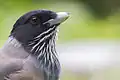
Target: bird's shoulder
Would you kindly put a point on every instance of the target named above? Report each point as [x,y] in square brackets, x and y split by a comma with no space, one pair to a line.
[29,71]
[8,65]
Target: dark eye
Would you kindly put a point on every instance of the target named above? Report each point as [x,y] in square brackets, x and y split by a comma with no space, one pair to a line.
[35,20]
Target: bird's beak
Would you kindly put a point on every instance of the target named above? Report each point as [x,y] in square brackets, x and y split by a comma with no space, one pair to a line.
[61,17]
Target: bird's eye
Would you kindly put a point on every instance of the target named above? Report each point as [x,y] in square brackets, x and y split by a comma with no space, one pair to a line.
[35,20]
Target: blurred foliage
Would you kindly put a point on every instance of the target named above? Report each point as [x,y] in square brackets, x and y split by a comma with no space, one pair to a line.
[102,8]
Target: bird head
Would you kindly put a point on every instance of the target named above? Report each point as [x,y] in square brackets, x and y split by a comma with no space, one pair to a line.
[38,27]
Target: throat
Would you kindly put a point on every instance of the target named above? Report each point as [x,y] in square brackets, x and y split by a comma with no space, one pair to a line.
[47,56]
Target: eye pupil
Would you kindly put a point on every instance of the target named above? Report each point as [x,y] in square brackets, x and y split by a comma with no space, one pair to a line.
[34,20]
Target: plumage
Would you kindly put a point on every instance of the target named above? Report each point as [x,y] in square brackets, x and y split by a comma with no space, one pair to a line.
[29,53]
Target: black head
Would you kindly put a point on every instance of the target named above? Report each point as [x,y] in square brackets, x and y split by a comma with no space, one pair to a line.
[33,23]
[37,25]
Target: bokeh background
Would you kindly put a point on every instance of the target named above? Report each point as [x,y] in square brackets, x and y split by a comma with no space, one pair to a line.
[88,42]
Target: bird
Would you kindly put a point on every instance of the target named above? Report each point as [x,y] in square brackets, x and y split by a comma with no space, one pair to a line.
[30,53]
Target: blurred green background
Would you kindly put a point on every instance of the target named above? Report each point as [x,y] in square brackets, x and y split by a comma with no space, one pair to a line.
[89,19]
